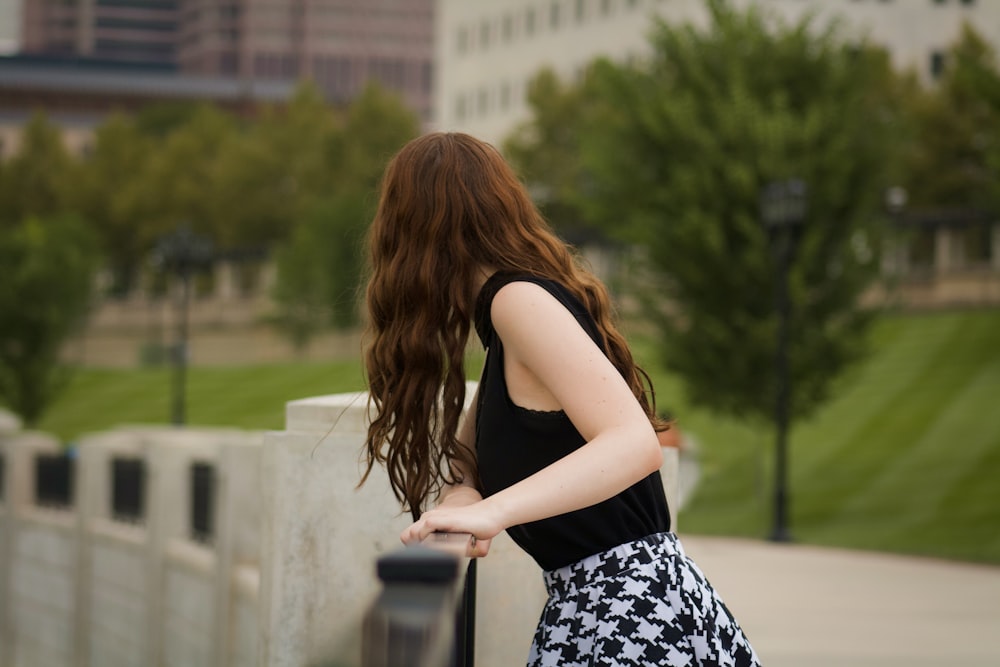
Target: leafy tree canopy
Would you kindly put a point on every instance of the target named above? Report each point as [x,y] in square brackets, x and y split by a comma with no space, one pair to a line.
[48,270]
[320,265]
[955,163]
[546,149]
[674,158]
[39,179]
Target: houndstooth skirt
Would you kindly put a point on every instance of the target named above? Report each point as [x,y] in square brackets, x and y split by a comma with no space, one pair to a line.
[640,603]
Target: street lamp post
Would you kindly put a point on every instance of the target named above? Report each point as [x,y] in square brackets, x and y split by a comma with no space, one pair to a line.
[182,252]
[783,211]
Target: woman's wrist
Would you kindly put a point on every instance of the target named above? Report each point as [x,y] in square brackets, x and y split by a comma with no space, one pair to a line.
[457,496]
[495,508]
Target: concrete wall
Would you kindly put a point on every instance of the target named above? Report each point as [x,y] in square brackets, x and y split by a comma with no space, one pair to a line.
[324,535]
[80,586]
[284,580]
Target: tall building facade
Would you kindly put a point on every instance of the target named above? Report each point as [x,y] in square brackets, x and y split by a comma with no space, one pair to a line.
[487,52]
[135,31]
[10,26]
[340,44]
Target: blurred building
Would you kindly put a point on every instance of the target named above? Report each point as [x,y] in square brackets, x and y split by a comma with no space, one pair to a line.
[486,53]
[78,95]
[117,30]
[340,44]
[10,26]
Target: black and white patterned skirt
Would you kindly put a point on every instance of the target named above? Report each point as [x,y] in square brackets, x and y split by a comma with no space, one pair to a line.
[640,603]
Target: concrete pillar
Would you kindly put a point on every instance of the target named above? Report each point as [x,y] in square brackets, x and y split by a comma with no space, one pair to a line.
[943,251]
[189,574]
[225,281]
[237,545]
[995,246]
[320,536]
[117,597]
[42,572]
[9,426]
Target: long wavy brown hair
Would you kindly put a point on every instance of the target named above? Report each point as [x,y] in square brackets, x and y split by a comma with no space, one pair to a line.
[450,207]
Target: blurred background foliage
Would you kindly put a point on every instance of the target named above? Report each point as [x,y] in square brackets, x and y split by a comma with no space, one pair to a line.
[297,182]
[661,160]
[670,156]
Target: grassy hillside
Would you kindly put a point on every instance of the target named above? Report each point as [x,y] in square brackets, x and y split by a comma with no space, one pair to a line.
[907,458]
[251,397]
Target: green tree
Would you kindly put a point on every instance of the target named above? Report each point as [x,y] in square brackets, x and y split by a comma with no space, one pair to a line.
[179,184]
[111,197]
[376,125]
[697,132]
[48,271]
[39,179]
[319,268]
[955,161]
[270,176]
[547,149]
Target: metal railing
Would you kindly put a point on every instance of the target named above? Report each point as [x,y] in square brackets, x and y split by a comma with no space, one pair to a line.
[425,614]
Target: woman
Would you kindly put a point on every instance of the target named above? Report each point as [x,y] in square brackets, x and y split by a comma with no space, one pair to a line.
[560,446]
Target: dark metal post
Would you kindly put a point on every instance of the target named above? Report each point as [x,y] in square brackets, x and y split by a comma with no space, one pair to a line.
[179,355]
[783,209]
[182,252]
[424,615]
[465,621]
[779,530]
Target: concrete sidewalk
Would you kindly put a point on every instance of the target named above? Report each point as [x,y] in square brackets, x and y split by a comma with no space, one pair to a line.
[804,606]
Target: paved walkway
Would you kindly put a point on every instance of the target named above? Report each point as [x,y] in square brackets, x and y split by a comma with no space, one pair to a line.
[807,606]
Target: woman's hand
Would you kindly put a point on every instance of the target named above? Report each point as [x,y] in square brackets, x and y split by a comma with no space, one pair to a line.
[477,518]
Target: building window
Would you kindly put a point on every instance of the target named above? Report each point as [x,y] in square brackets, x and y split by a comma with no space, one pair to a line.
[460,108]
[581,10]
[159,5]
[426,76]
[977,243]
[504,96]
[920,250]
[605,7]
[554,16]
[529,22]
[483,102]
[937,64]
[2,477]
[484,35]
[462,41]
[507,28]
[114,23]
[228,63]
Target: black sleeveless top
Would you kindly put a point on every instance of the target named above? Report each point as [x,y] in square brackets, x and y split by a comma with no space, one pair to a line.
[513,442]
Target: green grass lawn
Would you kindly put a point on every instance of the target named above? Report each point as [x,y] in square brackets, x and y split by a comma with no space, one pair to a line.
[906,458]
[251,397]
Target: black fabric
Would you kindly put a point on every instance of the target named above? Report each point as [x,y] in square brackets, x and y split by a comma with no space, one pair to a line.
[513,443]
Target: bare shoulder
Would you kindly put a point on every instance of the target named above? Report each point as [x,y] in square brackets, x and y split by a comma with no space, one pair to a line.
[521,302]
[526,314]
